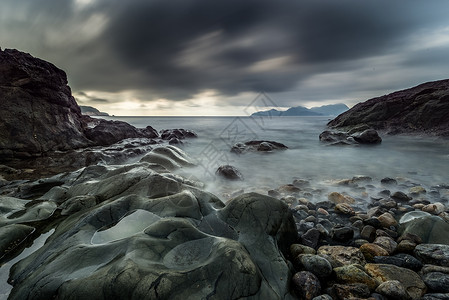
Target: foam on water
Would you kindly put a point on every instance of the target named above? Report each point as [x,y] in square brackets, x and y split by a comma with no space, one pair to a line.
[420,160]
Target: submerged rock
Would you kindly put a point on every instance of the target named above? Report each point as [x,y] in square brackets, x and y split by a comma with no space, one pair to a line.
[229,172]
[257,146]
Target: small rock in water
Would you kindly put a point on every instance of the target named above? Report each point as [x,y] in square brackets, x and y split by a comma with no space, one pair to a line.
[389,181]
[229,172]
[336,198]
[434,208]
[400,196]
[417,190]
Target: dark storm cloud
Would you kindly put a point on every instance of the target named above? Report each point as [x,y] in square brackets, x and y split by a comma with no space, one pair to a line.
[177,48]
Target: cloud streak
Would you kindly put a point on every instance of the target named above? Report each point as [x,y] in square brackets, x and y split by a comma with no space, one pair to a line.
[180,48]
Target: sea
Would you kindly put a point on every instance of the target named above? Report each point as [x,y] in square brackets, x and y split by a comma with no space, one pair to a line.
[411,160]
[415,160]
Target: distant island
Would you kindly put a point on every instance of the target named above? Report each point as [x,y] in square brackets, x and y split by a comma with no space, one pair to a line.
[325,110]
[92,111]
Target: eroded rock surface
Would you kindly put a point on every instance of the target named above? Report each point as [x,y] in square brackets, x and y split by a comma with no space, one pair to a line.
[190,243]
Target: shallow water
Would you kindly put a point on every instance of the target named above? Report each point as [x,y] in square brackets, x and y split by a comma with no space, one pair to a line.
[422,160]
[5,288]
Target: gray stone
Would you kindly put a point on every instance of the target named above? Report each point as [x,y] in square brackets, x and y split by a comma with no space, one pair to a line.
[316,264]
[435,254]
[437,282]
[431,229]
[393,289]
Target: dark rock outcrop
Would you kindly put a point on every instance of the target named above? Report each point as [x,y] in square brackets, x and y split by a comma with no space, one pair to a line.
[421,109]
[38,114]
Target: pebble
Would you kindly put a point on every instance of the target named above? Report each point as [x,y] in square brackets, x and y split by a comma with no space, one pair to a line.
[371,250]
[297,249]
[387,243]
[342,234]
[437,282]
[387,220]
[400,260]
[316,264]
[306,285]
[341,255]
[435,254]
[411,281]
[354,274]
[336,198]
[349,291]
[368,233]
[393,289]
[344,208]
[434,208]
[400,196]
[311,238]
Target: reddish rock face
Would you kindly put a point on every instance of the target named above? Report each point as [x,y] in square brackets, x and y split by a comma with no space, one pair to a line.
[421,109]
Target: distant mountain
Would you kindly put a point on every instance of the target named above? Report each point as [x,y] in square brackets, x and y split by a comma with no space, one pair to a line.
[92,111]
[325,110]
[330,110]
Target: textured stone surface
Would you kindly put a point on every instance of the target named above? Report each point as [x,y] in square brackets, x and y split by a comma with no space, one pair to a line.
[341,255]
[424,109]
[191,244]
[434,254]
[411,281]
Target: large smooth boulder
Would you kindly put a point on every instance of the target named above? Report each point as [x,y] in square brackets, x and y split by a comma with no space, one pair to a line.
[140,234]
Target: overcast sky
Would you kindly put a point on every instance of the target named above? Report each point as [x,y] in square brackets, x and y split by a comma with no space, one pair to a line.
[213,57]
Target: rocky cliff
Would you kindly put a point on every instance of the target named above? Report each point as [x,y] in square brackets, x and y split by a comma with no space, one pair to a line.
[423,109]
[39,115]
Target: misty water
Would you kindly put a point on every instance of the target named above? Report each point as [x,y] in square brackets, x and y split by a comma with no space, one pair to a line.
[413,160]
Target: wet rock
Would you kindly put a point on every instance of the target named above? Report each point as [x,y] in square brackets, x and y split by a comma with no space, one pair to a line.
[432,268]
[349,291]
[400,196]
[316,264]
[437,282]
[180,134]
[387,220]
[297,249]
[435,254]
[306,285]
[368,136]
[11,236]
[168,157]
[341,255]
[257,146]
[354,274]
[77,203]
[411,281]
[344,208]
[435,296]
[401,260]
[431,229]
[289,189]
[416,190]
[393,289]
[188,236]
[389,181]
[406,246]
[342,234]
[371,250]
[336,198]
[229,172]
[368,233]
[387,243]
[335,138]
[311,238]
[434,208]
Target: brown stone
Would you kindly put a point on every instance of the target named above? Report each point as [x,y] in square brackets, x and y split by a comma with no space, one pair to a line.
[371,250]
[341,255]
